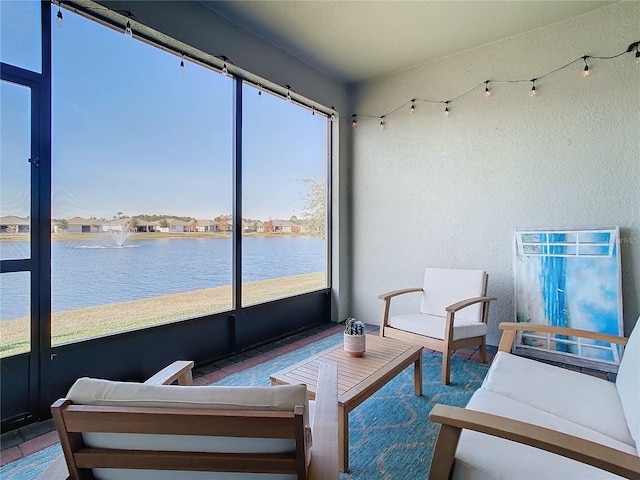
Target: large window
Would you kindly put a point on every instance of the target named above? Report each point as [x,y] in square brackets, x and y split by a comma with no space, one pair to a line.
[15,217]
[141,178]
[142,187]
[284,167]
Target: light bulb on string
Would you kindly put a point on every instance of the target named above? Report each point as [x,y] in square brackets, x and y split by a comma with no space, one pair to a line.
[127,30]
[382,124]
[586,72]
[412,109]
[59,17]
[446,109]
[637,54]
[313,111]
[533,88]
[225,70]
[487,92]
[354,121]
[182,64]
[333,117]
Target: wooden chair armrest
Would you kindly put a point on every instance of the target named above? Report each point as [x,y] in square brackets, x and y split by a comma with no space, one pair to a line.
[454,419]
[324,452]
[395,293]
[179,370]
[509,330]
[454,307]
[56,471]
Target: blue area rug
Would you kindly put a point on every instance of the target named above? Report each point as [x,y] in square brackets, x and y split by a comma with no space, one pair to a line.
[390,434]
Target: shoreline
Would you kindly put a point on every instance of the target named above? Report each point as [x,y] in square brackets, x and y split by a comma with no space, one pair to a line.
[87,322]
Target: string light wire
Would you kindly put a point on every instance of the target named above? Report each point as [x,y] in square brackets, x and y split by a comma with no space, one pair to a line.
[634,47]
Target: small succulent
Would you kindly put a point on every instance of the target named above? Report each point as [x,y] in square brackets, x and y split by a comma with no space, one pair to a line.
[354,327]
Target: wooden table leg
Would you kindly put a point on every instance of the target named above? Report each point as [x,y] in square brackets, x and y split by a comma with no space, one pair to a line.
[343,438]
[417,375]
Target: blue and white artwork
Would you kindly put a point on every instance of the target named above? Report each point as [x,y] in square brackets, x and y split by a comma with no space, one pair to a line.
[569,278]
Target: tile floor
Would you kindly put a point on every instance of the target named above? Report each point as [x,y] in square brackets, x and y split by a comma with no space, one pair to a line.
[32,438]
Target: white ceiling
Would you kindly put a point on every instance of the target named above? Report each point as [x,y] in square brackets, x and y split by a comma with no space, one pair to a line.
[358,40]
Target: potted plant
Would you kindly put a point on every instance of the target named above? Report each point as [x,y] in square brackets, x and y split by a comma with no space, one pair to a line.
[354,338]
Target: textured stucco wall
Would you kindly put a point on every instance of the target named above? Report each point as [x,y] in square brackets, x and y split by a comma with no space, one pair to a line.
[436,191]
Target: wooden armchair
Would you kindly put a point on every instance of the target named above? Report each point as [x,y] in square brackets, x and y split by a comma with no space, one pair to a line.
[179,430]
[453,314]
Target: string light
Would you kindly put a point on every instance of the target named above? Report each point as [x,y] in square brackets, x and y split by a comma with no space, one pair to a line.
[59,16]
[127,30]
[446,109]
[225,70]
[333,116]
[413,106]
[288,87]
[313,111]
[182,64]
[533,87]
[487,92]
[637,54]
[354,121]
[381,123]
[586,72]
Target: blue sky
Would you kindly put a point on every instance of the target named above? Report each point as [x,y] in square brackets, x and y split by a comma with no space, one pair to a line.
[133,134]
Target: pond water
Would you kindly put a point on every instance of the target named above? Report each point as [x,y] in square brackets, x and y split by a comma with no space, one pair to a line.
[92,273]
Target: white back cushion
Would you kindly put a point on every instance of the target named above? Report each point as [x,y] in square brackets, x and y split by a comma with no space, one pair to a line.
[444,286]
[93,391]
[628,383]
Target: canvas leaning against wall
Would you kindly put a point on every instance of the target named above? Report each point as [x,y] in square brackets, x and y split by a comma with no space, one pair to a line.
[569,278]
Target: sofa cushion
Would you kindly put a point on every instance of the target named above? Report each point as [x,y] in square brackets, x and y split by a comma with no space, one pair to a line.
[433,326]
[583,399]
[481,456]
[93,391]
[628,383]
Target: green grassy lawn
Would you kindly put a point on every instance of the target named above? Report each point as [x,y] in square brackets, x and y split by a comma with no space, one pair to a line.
[82,323]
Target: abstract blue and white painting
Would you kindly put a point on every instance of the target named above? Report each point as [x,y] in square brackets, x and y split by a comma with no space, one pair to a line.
[569,278]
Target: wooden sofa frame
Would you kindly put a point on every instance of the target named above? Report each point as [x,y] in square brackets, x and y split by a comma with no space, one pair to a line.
[454,419]
[71,420]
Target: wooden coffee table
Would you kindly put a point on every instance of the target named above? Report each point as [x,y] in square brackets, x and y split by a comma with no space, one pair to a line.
[358,377]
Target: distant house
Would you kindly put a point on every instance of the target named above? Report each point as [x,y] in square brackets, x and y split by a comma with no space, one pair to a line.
[252,226]
[144,226]
[278,226]
[206,226]
[14,224]
[175,226]
[82,225]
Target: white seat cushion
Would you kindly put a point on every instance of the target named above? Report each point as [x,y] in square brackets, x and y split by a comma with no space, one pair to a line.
[582,399]
[433,326]
[481,456]
[628,382]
